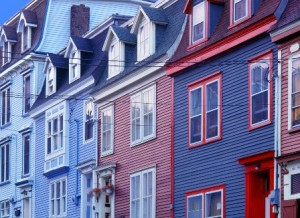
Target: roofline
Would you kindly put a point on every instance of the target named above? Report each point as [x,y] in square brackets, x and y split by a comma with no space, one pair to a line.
[285,31]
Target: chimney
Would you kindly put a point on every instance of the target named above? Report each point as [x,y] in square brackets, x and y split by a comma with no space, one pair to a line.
[80,20]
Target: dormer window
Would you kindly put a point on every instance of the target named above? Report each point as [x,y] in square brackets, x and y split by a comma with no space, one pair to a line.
[115,61]
[198,22]
[74,65]
[241,10]
[25,36]
[144,40]
[6,51]
[51,86]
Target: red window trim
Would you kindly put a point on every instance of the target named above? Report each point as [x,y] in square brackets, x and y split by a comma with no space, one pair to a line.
[205,38]
[202,82]
[203,191]
[232,23]
[267,54]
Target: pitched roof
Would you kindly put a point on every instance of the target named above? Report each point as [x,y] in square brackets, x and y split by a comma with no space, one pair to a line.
[156,15]
[82,44]
[58,61]
[10,32]
[124,34]
[30,17]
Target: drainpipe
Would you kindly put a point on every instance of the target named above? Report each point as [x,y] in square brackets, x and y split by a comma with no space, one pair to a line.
[16,157]
[77,195]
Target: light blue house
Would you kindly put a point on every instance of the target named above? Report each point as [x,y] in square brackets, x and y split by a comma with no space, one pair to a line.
[64,113]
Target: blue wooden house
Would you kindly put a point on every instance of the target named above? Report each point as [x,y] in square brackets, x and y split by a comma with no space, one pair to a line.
[223,110]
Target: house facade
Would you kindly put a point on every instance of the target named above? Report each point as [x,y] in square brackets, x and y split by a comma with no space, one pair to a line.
[286,35]
[224,74]
[133,98]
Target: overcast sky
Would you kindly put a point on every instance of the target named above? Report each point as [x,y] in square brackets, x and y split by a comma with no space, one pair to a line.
[9,8]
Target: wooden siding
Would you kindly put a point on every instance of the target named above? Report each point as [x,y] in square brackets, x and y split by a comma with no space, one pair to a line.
[289,141]
[217,163]
[154,152]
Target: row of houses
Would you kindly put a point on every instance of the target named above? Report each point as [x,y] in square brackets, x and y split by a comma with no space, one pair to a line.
[139,108]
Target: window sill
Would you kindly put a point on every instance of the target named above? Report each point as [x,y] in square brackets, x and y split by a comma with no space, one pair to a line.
[25,114]
[232,25]
[5,125]
[25,50]
[135,144]
[205,143]
[109,153]
[294,130]
[85,142]
[5,183]
[73,79]
[196,44]
[253,127]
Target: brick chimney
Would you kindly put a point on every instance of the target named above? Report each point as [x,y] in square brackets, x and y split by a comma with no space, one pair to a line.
[80,20]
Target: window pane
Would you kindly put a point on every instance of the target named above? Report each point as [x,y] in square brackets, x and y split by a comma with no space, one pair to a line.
[8,106]
[296,116]
[212,124]
[259,74]
[196,130]
[240,7]
[212,96]
[213,204]
[260,107]
[26,155]
[3,107]
[2,163]
[196,102]
[195,209]
[198,22]
[27,94]
[7,163]
[58,190]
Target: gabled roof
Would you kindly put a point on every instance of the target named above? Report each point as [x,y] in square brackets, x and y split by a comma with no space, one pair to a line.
[188,5]
[9,33]
[30,17]
[58,61]
[121,33]
[155,15]
[81,44]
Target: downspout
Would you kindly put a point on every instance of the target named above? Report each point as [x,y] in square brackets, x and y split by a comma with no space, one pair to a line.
[15,195]
[77,195]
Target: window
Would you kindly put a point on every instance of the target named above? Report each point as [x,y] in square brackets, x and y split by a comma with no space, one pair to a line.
[146,39]
[260,91]
[25,37]
[205,110]
[294,91]
[6,50]
[116,64]
[27,95]
[26,155]
[143,194]
[240,10]
[4,162]
[208,203]
[198,22]
[51,80]
[107,130]
[58,198]
[74,65]
[88,120]
[55,129]
[5,208]
[5,113]
[143,115]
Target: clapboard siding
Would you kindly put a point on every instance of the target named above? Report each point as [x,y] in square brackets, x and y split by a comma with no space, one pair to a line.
[289,142]
[154,152]
[217,163]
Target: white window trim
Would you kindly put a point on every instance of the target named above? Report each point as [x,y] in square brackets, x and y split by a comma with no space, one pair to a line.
[142,138]
[153,170]
[60,180]
[24,88]
[252,65]
[290,70]
[152,40]
[6,145]
[6,108]
[7,215]
[247,10]
[4,52]
[111,150]
[54,80]
[28,37]
[120,61]
[205,23]
[84,121]
[23,150]
[74,61]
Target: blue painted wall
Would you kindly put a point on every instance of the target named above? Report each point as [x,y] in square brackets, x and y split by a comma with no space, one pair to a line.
[217,163]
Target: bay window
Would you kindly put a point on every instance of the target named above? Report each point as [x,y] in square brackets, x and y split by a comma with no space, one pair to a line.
[27,95]
[55,129]
[294,91]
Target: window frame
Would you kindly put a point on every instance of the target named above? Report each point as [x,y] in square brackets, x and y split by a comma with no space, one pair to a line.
[151,28]
[234,22]
[7,152]
[290,72]
[85,121]
[55,182]
[203,192]
[205,26]
[142,138]
[26,108]
[141,173]
[203,83]
[25,36]
[6,50]
[74,65]
[48,93]
[254,61]
[116,65]
[111,150]
[5,202]
[23,154]
[6,111]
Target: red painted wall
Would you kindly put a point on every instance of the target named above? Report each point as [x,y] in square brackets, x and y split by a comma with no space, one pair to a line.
[154,152]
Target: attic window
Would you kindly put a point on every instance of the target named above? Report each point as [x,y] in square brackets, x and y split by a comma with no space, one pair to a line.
[115,58]
[6,51]
[240,10]
[25,37]
[198,22]
[51,85]
[74,66]
[146,41]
